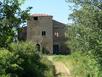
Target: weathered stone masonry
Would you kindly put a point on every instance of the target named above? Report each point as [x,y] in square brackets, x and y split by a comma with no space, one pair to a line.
[47,33]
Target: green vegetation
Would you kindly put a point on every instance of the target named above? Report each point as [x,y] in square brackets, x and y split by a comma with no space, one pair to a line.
[19,59]
[80,65]
[85,39]
[23,60]
[11,17]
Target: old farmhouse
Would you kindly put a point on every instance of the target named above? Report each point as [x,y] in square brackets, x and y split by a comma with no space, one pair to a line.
[48,34]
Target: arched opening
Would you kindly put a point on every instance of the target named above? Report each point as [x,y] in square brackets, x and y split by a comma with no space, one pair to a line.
[38,47]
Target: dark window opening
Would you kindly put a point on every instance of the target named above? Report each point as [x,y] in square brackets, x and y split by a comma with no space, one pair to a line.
[35,18]
[43,33]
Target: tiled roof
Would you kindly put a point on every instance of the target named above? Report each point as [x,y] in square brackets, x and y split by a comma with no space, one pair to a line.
[40,15]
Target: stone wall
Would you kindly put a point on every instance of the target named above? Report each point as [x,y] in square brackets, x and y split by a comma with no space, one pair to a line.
[35,29]
[59,37]
[47,33]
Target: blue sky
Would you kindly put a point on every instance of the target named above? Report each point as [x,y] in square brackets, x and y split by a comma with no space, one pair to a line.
[57,8]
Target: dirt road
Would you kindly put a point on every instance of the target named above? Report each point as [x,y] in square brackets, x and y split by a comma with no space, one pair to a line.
[60,68]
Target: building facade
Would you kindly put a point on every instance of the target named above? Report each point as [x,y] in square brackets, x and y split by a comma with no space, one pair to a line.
[48,34]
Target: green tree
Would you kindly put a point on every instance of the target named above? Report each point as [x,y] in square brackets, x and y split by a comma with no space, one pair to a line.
[86,32]
[87,27]
[11,16]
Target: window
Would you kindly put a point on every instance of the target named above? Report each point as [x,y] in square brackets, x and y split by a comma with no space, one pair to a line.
[56,34]
[35,18]
[43,33]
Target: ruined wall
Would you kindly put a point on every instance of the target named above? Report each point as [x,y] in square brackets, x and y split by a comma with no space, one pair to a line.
[59,36]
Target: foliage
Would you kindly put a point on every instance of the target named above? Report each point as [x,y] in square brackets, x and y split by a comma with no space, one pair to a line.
[11,16]
[85,34]
[83,38]
[5,57]
[80,65]
[96,3]
[50,68]
[23,60]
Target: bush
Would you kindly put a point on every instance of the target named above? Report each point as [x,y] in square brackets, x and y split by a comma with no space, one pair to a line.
[5,57]
[84,65]
[23,60]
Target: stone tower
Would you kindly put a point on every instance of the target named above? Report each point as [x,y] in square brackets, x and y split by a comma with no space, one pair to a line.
[40,31]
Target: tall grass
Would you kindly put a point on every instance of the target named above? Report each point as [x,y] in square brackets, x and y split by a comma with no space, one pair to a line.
[80,65]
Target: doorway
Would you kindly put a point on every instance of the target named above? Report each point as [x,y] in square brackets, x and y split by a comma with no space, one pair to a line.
[55,49]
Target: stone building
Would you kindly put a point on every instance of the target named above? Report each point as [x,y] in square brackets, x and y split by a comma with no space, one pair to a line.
[48,34]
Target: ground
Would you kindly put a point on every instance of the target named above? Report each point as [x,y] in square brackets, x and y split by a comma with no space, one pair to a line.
[60,68]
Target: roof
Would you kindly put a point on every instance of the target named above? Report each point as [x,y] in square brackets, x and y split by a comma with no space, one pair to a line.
[40,15]
[58,24]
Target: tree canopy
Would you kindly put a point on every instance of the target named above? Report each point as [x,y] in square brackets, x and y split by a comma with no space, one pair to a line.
[85,34]
[11,16]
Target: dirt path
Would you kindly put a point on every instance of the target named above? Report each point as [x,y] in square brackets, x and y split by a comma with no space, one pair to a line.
[60,68]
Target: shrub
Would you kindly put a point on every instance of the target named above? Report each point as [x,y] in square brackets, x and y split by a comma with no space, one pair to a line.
[5,57]
[23,60]
[85,65]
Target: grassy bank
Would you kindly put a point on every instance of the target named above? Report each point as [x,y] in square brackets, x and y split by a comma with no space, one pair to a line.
[80,65]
